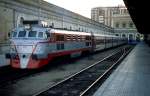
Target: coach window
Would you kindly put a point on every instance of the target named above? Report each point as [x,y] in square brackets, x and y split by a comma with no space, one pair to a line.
[74,37]
[79,38]
[22,34]
[60,38]
[32,34]
[87,43]
[87,38]
[83,38]
[68,37]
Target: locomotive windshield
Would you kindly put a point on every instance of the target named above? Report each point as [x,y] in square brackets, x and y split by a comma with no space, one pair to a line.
[28,34]
[22,34]
[14,34]
[40,35]
[32,34]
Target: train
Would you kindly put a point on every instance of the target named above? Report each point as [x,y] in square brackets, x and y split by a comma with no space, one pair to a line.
[34,46]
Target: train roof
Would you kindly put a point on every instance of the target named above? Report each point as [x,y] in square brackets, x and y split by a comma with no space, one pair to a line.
[69,32]
[105,35]
[80,33]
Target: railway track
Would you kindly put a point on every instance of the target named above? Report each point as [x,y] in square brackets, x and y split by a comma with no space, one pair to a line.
[81,83]
[8,78]
[10,75]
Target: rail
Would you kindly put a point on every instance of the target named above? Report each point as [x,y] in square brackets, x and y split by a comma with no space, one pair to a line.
[75,84]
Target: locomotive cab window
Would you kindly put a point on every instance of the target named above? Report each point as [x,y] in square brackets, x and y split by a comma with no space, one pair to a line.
[40,35]
[32,34]
[22,34]
[14,34]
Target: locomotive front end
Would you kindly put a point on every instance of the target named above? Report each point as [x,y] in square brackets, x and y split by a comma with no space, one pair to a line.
[28,50]
[20,53]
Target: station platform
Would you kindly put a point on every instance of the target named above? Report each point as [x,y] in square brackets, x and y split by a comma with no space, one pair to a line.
[132,77]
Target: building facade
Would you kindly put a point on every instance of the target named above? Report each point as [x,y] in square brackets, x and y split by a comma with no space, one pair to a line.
[118,18]
[13,12]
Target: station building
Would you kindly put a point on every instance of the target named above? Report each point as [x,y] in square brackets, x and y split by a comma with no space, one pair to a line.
[118,18]
[13,12]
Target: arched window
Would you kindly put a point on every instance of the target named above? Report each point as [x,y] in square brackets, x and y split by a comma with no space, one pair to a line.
[123,35]
[130,36]
[131,25]
[123,25]
[117,34]
[117,25]
[21,20]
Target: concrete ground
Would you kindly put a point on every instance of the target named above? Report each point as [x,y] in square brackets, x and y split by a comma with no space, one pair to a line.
[132,77]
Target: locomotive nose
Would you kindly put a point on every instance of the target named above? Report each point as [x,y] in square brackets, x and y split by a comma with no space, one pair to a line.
[24,52]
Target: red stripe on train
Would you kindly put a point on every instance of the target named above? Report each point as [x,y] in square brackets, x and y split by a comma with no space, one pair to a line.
[33,64]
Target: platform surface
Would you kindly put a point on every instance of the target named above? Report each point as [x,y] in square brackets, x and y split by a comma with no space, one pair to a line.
[132,77]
